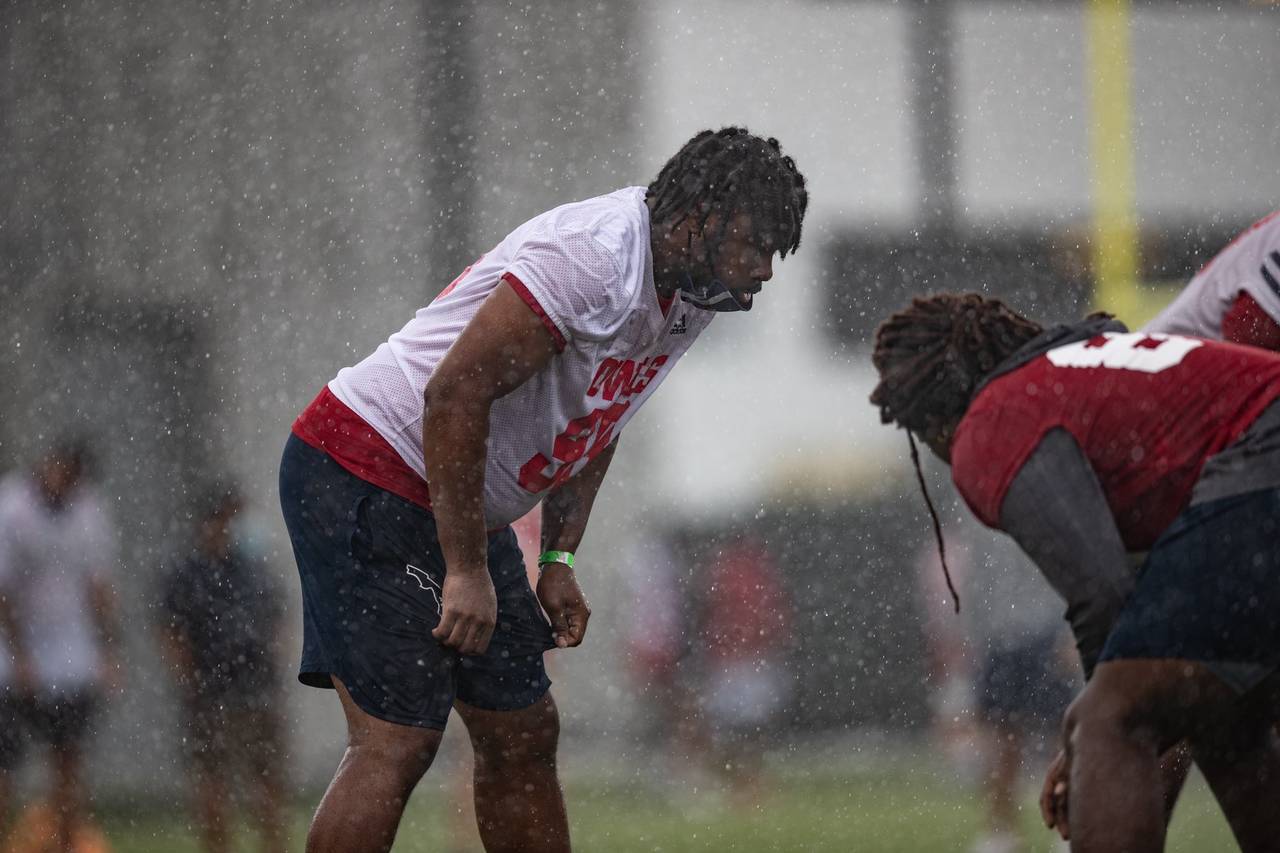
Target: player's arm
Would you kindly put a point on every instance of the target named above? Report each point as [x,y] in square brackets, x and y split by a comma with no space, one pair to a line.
[10,631]
[502,347]
[565,512]
[1056,510]
[11,637]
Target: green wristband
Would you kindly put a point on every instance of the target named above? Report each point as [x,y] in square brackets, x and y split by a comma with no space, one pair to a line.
[565,557]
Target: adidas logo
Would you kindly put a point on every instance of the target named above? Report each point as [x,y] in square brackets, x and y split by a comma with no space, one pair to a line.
[679,327]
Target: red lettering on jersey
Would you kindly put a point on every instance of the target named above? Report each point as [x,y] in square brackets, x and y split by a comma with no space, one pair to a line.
[589,435]
[619,380]
[534,476]
[650,372]
[460,277]
[606,369]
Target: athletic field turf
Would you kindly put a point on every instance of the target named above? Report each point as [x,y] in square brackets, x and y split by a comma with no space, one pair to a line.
[887,809]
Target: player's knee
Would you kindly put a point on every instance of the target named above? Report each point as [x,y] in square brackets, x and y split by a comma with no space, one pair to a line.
[404,758]
[1102,713]
[521,738]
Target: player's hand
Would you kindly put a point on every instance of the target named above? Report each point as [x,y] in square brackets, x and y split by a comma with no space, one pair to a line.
[1054,796]
[468,611]
[566,606]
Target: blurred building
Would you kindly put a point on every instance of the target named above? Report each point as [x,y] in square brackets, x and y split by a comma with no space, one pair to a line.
[211,207]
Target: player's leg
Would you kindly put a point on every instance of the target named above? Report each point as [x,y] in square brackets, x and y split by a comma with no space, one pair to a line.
[67,721]
[519,802]
[383,761]
[12,731]
[370,567]
[512,721]
[1114,734]
[1240,758]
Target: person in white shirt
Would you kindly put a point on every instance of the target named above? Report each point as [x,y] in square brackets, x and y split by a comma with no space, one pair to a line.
[57,620]
[1236,296]
[401,479]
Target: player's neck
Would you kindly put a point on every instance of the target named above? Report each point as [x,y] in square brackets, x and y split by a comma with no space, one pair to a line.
[669,245]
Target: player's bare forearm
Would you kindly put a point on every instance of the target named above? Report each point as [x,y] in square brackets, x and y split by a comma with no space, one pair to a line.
[453,438]
[566,509]
[503,346]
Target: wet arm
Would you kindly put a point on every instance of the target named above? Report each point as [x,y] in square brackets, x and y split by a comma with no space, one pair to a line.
[503,346]
[1056,510]
[566,509]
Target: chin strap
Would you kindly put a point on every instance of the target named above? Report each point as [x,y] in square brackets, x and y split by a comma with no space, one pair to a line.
[709,294]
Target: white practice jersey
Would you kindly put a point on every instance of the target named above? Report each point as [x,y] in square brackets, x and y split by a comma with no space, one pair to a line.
[1251,263]
[587,270]
[47,558]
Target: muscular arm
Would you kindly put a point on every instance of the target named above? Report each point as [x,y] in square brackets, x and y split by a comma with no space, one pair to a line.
[1056,510]
[503,346]
[566,509]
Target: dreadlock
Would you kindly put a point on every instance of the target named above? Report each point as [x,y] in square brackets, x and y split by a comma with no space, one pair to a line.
[731,171]
[931,358]
[932,355]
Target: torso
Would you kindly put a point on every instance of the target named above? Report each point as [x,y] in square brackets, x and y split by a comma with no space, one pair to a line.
[50,558]
[586,269]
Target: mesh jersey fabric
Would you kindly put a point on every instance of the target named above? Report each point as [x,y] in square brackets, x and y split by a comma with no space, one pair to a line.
[586,269]
[1249,264]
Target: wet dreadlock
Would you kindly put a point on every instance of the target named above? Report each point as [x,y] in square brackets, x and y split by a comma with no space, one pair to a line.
[731,171]
[931,358]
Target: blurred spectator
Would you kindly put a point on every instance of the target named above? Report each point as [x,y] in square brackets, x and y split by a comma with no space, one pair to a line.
[746,626]
[655,643]
[1020,670]
[220,626]
[57,625]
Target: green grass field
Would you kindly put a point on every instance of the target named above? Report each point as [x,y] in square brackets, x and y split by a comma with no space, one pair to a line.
[891,808]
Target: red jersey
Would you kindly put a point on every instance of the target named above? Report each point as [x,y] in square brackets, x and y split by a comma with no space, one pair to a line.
[1147,410]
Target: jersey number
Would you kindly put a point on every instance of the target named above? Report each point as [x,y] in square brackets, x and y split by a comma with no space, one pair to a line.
[584,436]
[1146,353]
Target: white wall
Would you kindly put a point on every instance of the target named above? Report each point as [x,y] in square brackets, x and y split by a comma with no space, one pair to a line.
[766,404]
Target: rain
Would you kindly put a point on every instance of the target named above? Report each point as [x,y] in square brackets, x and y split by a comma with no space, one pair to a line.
[212,208]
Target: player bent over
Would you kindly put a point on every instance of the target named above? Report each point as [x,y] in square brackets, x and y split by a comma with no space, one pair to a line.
[1087,443]
[402,477]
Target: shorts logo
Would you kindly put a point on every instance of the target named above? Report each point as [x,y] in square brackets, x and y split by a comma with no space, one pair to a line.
[425,581]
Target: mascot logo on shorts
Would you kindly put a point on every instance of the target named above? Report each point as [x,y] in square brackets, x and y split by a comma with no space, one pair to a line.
[425,581]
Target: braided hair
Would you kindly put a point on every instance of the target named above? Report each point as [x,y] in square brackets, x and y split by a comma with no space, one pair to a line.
[931,358]
[731,171]
[932,355]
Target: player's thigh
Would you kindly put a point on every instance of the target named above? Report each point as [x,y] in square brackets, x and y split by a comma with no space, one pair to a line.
[405,750]
[1164,700]
[371,598]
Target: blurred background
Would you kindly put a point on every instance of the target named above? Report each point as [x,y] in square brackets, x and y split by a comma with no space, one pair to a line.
[211,207]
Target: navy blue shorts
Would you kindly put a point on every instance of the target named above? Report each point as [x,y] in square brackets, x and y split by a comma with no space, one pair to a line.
[372,570]
[1210,591]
